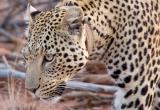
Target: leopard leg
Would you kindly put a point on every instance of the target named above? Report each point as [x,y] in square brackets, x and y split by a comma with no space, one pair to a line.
[135,93]
[132,100]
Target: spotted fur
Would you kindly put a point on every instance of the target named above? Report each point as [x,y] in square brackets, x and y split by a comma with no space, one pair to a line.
[127,39]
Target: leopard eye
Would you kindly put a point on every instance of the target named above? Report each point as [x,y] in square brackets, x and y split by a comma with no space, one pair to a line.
[24,57]
[49,58]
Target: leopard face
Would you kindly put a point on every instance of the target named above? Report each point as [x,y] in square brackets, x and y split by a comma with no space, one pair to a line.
[54,50]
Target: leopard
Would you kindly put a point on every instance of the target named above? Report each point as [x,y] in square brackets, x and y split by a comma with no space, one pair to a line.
[125,36]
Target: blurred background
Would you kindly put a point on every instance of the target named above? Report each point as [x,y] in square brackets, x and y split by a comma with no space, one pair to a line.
[13,95]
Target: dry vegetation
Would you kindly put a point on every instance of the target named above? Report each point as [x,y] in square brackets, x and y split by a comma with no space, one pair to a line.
[13,96]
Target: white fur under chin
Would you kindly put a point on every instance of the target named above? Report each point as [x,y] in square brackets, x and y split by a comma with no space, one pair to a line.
[118,99]
[51,100]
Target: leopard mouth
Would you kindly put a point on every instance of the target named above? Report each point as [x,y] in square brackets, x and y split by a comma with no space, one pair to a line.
[58,91]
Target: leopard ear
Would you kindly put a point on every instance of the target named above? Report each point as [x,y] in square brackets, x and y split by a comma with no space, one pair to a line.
[72,21]
[30,13]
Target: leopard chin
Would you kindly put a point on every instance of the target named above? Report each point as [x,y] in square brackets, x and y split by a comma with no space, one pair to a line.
[52,94]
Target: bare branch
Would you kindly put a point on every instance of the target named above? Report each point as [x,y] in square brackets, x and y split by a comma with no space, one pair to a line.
[7,34]
[95,78]
[75,85]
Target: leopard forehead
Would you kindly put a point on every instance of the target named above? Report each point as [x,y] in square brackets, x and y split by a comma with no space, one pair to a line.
[45,25]
[49,18]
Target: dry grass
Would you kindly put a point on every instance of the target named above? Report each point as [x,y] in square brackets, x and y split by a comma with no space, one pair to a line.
[13,96]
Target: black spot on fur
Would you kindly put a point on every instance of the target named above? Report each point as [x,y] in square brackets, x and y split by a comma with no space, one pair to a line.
[128,93]
[127,79]
[144,90]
